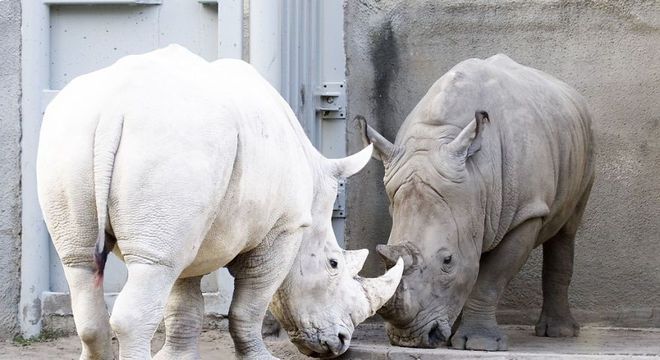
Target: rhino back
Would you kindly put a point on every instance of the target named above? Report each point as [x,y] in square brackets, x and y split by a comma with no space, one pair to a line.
[198,138]
[536,156]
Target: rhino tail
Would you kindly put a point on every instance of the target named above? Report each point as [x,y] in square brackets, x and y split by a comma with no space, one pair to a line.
[106,142]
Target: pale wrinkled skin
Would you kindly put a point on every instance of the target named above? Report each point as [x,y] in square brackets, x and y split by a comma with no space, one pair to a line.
[199,165]
[471,194]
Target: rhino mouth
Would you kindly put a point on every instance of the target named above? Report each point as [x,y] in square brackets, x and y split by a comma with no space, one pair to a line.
[322,350]
[429,335]
[322,345]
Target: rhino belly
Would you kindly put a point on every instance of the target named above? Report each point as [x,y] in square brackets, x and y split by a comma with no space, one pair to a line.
[217,250]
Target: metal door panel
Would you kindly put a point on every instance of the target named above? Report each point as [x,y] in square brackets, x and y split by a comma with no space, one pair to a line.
[87,38]
[65,38]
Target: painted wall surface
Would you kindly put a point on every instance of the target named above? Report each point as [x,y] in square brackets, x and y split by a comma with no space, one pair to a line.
[10,165]
[609,50]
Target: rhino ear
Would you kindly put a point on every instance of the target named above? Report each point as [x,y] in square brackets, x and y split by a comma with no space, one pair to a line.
[383,149]
[468,141]
[391,253]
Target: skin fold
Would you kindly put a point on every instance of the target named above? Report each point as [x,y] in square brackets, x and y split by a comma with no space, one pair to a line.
[496,159]
[180,166]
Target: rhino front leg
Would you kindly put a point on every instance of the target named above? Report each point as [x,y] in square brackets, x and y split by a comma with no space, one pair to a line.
[184,316]
[478,329]
[258,274]
[556,319]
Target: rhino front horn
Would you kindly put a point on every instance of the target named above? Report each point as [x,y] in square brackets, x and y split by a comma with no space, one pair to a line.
[379,290]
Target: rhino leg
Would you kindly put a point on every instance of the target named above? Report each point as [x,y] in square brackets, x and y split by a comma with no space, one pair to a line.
[478,329]
[139,307]
[556,319]
[258,274]
[89,312]
[72,223]
[184,316]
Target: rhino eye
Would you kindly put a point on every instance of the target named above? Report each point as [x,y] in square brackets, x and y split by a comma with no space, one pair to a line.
[447,260]
[333,263]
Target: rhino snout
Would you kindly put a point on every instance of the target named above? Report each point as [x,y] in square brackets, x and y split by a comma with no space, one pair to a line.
[437,335]
[324,344]
[431,335]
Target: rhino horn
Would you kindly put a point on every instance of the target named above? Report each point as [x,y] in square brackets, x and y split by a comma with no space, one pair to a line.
[350,165]
[379,290]
[355,260]
[390,254]
[384,148]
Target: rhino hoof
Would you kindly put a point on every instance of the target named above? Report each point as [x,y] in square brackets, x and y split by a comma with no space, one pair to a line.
[557,327]
[479,337]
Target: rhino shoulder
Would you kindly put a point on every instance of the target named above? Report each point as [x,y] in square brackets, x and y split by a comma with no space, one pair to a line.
[501,59]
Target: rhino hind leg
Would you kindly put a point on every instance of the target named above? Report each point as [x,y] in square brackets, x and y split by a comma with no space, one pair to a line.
[556,319]
[257,276]
[139,307]
[184,316]
[89,312]
[478,329]
[71,221]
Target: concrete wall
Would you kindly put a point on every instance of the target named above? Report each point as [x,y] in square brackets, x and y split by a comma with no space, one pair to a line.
[608,49]
[10,165]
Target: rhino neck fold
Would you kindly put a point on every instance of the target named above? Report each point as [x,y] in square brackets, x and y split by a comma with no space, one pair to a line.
[485,169]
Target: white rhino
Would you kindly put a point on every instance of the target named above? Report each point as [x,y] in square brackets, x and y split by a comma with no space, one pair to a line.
[470,198]
[180,166]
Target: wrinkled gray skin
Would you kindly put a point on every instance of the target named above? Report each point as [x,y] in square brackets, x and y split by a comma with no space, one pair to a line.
[472,194]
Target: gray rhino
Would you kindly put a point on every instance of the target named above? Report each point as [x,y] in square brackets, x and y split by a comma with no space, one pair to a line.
[472,195]
[180,166]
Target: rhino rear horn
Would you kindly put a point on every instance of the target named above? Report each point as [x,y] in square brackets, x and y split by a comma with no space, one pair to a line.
[348,166]
[384,148]
[355,260]
[391,253]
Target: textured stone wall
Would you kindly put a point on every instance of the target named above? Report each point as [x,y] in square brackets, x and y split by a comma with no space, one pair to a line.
[10,165]
[607,49]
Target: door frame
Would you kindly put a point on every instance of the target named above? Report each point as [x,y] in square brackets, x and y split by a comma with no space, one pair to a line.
[305,52]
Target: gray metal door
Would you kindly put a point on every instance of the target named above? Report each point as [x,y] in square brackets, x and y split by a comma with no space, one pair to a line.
[86,38]
[296,44]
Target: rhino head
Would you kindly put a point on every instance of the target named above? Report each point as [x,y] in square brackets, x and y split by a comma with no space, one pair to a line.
[437,224]
[322,298]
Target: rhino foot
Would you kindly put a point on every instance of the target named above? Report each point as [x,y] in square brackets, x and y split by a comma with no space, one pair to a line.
[564,326]
[256,356]
[173,355]
[479,336]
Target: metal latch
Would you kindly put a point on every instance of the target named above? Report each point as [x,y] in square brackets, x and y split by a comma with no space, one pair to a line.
[332,104]
[339,208]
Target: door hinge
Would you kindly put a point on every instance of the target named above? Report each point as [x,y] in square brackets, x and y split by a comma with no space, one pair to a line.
[332,102]
[339,208]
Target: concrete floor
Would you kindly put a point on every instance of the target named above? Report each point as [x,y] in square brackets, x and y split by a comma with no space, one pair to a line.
[593,343]
[370,343]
